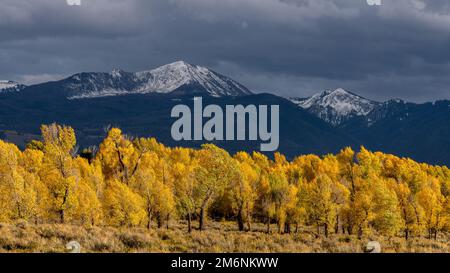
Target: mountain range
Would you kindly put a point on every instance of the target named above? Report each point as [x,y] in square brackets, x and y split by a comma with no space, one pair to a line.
[140,103]
[176,77]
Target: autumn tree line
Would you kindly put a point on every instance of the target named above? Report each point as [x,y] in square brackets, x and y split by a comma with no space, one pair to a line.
[130,182]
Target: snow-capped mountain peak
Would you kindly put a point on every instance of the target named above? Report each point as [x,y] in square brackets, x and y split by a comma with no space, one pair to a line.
[177,76]
[170,77]
[10,86]
[117,73]
[336,106]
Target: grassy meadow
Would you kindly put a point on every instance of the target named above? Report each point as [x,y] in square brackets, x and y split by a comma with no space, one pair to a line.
[218,237]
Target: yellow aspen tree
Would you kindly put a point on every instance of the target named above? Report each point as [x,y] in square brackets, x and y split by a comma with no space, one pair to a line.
[217,170]
[59,172]
[387,215]
[432,202]
[410,223]
[118,156]
[164,182]
[324,198]
[243,190]
[89,209]
[309,165]
[347,166]
[18,196]
[157,196]
[32,162]
[361,210]
[281,195]
[183,170]
[144,183]
[296,213]
[369,163]
[357,212]
[122,206]
[264,202]
[329,165]
[92,174]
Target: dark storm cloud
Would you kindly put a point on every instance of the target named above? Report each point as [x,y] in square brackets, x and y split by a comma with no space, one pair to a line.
[291,47]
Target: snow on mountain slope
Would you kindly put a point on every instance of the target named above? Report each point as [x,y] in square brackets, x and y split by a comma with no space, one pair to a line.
[336,107]
[164,79]
[10,86]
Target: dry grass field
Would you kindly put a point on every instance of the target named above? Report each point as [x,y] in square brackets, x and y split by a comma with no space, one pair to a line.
[219,237]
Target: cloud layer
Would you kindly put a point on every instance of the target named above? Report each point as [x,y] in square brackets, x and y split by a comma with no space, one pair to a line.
[288,47]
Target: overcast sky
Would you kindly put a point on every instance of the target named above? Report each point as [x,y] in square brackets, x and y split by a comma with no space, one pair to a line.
[287,47]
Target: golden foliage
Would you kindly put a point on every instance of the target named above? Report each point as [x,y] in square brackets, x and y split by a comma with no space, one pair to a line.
[133,182]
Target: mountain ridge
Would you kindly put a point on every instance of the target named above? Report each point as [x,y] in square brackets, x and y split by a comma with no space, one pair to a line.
[419,131]
[178,76]
[337,106]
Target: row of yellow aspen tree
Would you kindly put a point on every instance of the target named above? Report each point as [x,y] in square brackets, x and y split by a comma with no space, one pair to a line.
[137,182]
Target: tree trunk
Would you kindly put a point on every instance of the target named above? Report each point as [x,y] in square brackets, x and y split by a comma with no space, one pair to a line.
[326,230]
[189,223]
[336,227]
[406,234]
[240,220]
[167,220]
[268,225]
[350,229]
[62,216]
[159,220]
[249,221]
[201,221]
[149,217]
[287,228]
[19,211]
[62,212]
